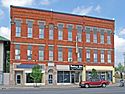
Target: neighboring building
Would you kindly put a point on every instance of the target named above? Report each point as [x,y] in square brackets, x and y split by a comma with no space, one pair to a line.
[4,49]
[66,46]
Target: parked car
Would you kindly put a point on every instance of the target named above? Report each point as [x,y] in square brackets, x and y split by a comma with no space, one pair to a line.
[94,83]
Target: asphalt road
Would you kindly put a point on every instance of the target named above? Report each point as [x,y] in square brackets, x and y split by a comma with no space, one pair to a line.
[77,90]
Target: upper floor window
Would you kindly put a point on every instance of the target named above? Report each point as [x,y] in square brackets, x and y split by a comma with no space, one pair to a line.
[69,54]
[18,28]
[109,56]
[88,55]
[102,36]
[41,53]
[70,27]
[60,54]
[95,35]
[60,31]
[79,33]
[95,56]
[50,53]
[109,37]
[51,31]
[79,56]
[102,56]
[88,29]
[30,31]
[41,30]
[17,52]
[29,52]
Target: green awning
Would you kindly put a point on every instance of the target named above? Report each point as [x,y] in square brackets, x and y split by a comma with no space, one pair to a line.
[3,39]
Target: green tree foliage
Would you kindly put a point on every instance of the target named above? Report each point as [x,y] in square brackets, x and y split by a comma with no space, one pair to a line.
[36,74]
[120,68]
[94,74]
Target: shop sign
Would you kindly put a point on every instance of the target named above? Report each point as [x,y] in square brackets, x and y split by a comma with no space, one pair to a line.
[76,67]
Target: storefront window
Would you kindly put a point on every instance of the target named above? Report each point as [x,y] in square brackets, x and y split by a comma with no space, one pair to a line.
[66,77]
[29,79]
[60,77]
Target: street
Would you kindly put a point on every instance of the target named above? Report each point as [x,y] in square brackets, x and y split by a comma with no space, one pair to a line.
[75,90]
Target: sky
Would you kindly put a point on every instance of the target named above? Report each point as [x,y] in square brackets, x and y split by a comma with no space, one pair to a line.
[109,9]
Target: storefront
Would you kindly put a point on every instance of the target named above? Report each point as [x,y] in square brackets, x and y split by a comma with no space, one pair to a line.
[69,74]
[22,75]
[103,75]
[104,72]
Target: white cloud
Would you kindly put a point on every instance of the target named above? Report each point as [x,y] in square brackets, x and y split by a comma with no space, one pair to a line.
[5,32]
[98,8]
[122,32]
[119,43]
[82,10]
[7,3]
[119,49]
[45,2]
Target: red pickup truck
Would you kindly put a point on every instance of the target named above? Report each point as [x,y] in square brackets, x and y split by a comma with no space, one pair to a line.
[94,83]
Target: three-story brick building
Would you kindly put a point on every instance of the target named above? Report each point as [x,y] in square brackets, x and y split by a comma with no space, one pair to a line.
[66,46]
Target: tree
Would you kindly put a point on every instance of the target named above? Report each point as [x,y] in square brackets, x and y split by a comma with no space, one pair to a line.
[94,74]
[36,74]
[120,68]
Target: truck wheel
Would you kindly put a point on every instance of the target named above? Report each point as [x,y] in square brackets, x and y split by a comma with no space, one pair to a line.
[86,85]
[103,85]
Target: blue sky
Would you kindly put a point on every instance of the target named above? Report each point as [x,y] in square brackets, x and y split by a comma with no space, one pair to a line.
[97,8]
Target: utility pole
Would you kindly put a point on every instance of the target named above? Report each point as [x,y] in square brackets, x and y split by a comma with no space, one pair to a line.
[124,65]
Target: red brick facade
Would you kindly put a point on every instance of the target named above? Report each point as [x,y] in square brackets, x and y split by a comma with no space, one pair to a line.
[55,18]
[51,17]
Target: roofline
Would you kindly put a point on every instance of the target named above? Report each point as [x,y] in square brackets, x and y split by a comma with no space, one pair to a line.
[11,6]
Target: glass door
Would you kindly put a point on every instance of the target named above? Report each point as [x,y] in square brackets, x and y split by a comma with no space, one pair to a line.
[18,79]
[50,79]
[72,77]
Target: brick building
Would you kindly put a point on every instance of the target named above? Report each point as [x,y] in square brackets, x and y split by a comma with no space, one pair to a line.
[66,46]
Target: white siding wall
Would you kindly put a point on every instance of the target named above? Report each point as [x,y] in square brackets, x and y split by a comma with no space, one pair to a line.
[1,56]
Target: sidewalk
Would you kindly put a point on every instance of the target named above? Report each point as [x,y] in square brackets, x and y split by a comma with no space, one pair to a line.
[44,86]
[2,87]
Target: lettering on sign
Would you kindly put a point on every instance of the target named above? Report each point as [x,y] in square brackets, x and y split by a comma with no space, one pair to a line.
[76,67]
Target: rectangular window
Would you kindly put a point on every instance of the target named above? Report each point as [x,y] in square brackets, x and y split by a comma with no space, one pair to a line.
[109,56]
[79,33]
[95,35]
[60,54]
[30,32]
[87,55]
[102,56]
[79,55]
[50,53]
[60,31]
[95,56]
[69,54]
[102,37]
[41,53]
[41,30]
[18,28]
[109,37]
[63,77]
[88,29]
[29,52]
[51,31]
[17,52]
[70,27]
